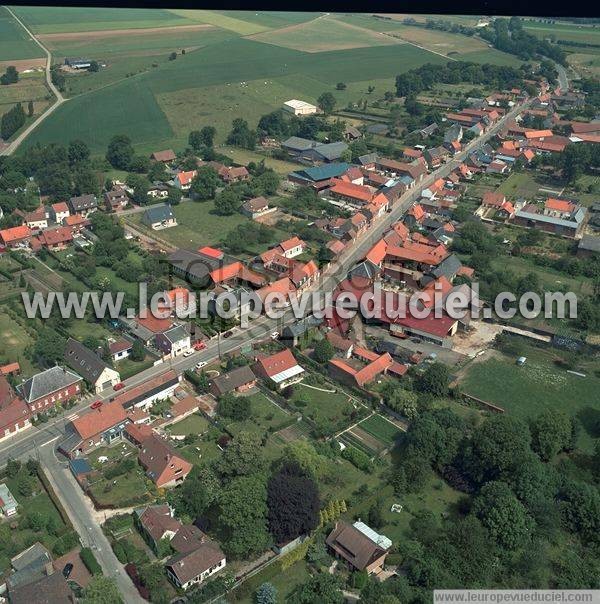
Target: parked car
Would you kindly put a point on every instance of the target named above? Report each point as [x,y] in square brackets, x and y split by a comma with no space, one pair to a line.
[227,334]
[67,570]
[201,364]
[96,405]
[274,335]
[119,386]
[199,345]
[188,353]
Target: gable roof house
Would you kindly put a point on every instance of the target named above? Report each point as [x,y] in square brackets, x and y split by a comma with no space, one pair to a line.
[237,380]
[102,425]
[15,236]
[159,217]
[162,463]
[15,415]
[90,366]
[59,211]
[54,239]
[166,156]
[256,207]
[280,368]
[45,389]
[36,220]
[156,523]
[116,199]
[83,205]
[555,218]
[183,180]
[359,545]
[187,569]
[8,504]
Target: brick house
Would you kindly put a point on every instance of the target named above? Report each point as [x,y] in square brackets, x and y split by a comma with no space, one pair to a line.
[162,463]
[50,387]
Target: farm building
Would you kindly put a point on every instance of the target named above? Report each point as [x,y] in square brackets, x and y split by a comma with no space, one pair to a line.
[78,63]
[299,107]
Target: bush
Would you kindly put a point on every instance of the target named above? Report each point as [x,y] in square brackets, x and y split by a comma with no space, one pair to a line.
[88,558]
[66,543]
[357,458]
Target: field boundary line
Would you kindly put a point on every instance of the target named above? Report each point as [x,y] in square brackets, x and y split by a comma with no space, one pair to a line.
[60,99]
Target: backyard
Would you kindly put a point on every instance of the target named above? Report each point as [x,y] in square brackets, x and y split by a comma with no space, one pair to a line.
[266,417]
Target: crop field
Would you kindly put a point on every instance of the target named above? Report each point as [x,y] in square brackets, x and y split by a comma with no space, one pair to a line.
[538,385]
[15,43]
[570,32]
[325,33]
[586,63]
[47,19]
[130,106]
[15,339]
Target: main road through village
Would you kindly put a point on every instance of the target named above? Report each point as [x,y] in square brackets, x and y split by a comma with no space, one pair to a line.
[41,442]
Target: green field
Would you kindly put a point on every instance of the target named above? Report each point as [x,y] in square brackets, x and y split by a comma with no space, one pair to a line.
[30,87]
[149,107]
[380,428]
[14,342]
[198,225]
[265,415]
[538,385]
[47,19]
[325,33]
[15,43]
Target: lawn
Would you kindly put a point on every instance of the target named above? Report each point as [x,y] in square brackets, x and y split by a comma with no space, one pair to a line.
[193,424]
[15,43]
[527,185]
[329,410]
[14,342]
[128,367]
[570,32]
[537,385]
[266,416]
[198,225]
[380,428]
[202,451]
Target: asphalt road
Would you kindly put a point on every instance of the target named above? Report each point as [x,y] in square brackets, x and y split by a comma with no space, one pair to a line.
[59,97]
[90,533]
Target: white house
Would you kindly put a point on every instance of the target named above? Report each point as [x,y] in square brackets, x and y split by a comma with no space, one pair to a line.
[174,341]
[90,366]
[290,248]
[159,217]
[183,180]
[192,568]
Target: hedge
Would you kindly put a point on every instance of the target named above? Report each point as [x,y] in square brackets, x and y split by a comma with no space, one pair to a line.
[88,558]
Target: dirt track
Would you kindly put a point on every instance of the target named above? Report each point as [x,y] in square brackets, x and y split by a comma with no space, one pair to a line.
[107,33]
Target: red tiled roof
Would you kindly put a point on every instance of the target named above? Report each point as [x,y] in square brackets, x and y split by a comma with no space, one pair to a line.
[10,368]
[349,189]
[155,324]
[13,412]
[57,236]
[435,326]
[211,252]
[291,243]
[529,134]
[161,461]
[166,155]
[493,198]
[61,206]
[75,220]
[15,234]
[417,211]
[584,128]
[99,420]
[278,362]
[185,178]
[559,205]
[377,253]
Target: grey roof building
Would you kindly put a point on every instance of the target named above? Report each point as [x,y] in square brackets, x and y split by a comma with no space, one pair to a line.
[369,158]
[30,565]
[447,267]
[232,380]
[589,243]
[83,203]
[365,269]
[47,382]
[158,214]
[194,267]
[298,144]
[90,366]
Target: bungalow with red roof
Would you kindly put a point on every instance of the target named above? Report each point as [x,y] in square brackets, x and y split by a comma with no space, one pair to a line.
[56,239]
[290,248]
[165,157]
[559,208]
[280,368]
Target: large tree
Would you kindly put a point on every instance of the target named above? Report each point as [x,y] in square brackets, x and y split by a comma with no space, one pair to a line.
[205,183]
[322,588]
[503,515]
[326,102]
[101,590]
[120,152]
[434,380]
[551,433]
[243,516]
[243,456]
[293,502]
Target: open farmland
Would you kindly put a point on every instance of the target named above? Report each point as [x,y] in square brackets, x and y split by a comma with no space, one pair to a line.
[15,43]
[47,19]
[325,33]
[30,87]
[130,106]
[571,32]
